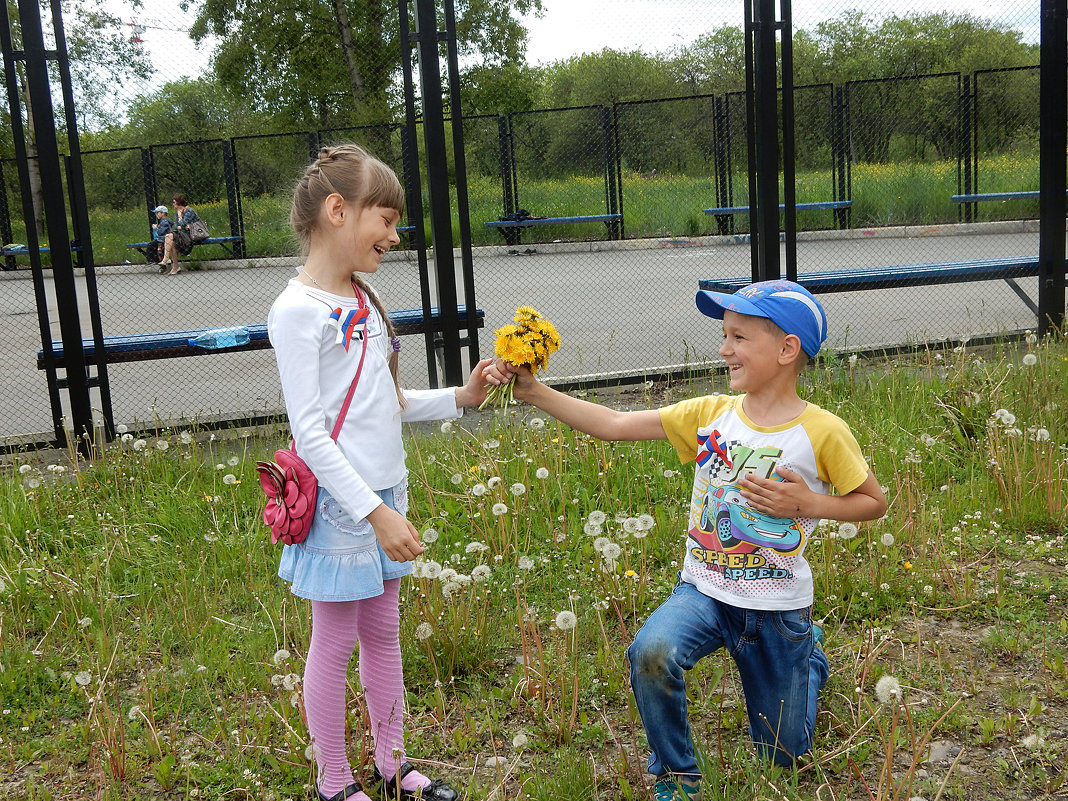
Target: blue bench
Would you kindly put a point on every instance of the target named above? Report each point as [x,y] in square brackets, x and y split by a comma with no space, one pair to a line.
[509,228]
[981,196]
[227,242]
[723,214]
[903,275]
[22,250]
[173,344]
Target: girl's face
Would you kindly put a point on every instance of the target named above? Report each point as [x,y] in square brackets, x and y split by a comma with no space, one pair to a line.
[372,231]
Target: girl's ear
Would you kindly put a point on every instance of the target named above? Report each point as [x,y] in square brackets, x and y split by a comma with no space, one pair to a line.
[334,208]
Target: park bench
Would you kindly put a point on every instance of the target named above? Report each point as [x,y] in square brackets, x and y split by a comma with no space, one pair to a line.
[724,213]
[904,275]
[228,243]
[509,228]
[174,344]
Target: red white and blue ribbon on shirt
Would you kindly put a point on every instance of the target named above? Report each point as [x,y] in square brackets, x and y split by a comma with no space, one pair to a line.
[345,322]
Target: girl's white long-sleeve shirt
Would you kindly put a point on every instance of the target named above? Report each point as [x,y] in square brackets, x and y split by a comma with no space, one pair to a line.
[316,372]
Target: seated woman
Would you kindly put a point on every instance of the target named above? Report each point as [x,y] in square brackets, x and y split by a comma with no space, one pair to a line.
[179,241]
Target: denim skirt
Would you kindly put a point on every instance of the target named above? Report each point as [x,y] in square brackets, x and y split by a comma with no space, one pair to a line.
[341,560]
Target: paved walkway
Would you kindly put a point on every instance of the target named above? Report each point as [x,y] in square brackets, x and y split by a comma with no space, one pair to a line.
[618,310]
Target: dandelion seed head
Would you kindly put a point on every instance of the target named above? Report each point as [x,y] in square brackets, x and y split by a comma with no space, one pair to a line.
[566,620]
[185,438]
[1030,360]
[311,753]
[646,522]
[139,445]
[592,529]
[518,488]
[630,525]
[499,509]
[493,482]
[536,423]
[456,478]
[847,531]
[134,713]
[431,569]
[290,682]
[121,429]
[887,539]
[85,622]
[542,473]
[25,468]
[525,563]
[599,543]
[446,427]
[597,517]
[887,689]
[1041,435]
[480,573]
[280,656]
[611,552]
[423,631]
[229,478]
[82,678]
[476,547]
[429,536]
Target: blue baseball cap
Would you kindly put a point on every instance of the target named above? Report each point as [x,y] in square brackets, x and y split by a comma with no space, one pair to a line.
[790,306]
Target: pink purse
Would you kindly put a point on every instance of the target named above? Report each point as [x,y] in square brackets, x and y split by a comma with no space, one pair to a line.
[289,483]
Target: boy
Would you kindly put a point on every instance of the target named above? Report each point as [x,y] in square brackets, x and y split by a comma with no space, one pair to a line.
[766,464]
[160,228]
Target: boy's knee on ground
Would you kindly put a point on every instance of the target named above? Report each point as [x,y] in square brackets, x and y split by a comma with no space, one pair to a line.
[652,658]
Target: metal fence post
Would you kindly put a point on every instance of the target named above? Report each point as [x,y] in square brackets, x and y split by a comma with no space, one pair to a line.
[611,184]
[763,134]
[148,175]
[721,160]
[966,156]
[839,156]
[437,161]
[5,219]
[36,58]
[1052,141]
[232,199]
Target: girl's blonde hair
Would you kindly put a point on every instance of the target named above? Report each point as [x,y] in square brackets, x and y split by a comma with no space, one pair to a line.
[363,181]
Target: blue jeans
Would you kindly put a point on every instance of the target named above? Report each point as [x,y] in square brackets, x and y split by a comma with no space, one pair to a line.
[781,668]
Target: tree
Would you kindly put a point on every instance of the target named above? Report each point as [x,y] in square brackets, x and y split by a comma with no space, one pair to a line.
[336,63]
[713,63]
[101,58]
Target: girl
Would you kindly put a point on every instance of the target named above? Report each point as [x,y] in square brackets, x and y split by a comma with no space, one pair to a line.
[345,212]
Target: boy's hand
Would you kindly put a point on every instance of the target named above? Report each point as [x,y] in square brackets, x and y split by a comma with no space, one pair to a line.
[788,498]
[395,534]
[500,372]
[474,391]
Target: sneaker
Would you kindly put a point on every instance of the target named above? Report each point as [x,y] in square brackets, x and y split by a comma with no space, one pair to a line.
[669,789]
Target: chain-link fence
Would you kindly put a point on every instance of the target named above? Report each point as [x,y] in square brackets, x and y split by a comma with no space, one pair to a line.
[606,176]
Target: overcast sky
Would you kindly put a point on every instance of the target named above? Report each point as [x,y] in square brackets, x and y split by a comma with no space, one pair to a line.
[572,27]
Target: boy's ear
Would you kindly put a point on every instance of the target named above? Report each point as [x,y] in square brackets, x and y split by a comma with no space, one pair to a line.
[790,349]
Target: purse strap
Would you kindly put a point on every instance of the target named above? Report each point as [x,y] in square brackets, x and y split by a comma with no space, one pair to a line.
[359,368]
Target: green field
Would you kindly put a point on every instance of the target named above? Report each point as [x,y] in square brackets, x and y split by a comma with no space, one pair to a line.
[149,652]
[658,206]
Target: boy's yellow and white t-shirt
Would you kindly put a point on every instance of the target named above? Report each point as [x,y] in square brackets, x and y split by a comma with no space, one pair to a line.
[734,553]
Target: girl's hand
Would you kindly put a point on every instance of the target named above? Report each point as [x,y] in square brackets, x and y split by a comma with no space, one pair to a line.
[395,534]
[501,372]
[474,391]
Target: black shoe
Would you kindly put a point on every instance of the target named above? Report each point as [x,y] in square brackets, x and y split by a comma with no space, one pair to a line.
[341,795]
[437,790]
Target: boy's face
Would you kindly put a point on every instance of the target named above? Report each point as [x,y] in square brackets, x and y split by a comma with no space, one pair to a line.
[751,348]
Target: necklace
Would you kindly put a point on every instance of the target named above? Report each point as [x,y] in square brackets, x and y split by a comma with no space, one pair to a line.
[312,279]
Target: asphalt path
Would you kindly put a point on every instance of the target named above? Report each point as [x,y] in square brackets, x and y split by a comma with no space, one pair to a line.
[623,310]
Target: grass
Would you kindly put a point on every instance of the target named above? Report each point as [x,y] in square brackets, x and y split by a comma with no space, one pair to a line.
[900,193]
[147,649]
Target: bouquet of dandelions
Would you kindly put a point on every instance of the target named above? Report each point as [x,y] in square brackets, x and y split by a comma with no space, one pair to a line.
[527,343]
